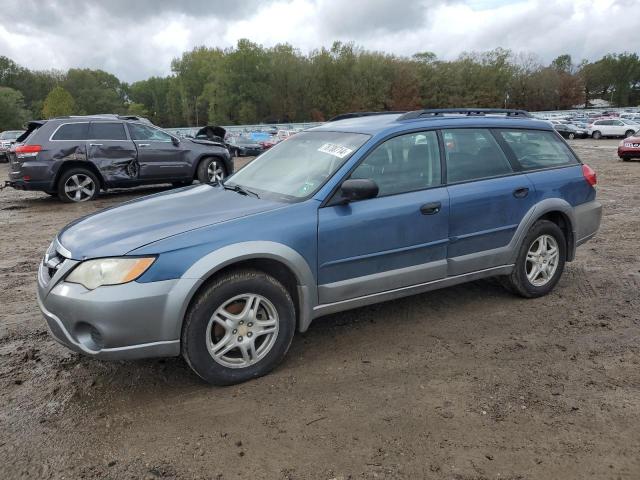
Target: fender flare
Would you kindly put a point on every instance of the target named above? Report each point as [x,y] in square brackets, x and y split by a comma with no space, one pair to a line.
[215,261]
[535,212]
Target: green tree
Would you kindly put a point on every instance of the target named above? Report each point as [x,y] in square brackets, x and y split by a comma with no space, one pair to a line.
[58,103]
[137,109]
[13,115]
[95,91]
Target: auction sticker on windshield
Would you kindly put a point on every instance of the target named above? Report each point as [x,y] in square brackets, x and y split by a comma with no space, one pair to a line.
[335,150]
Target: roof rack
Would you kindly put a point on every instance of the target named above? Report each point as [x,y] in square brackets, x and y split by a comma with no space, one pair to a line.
[467,112]
[345,116]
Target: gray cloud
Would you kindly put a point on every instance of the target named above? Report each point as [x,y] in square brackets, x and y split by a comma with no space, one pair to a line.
[135,39]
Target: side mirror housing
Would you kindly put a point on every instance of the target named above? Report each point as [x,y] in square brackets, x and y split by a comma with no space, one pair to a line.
[358,189]
[175,141]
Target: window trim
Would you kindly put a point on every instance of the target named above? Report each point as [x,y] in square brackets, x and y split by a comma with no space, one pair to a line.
[330,200]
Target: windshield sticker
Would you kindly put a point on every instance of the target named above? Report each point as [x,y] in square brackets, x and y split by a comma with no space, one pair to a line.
[335,150]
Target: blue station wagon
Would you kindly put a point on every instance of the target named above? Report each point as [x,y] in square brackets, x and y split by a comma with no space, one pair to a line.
[350,213]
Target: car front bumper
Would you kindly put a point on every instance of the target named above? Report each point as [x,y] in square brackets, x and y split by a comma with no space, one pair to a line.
[117,322]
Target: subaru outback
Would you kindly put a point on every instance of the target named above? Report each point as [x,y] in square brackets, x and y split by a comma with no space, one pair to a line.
[347,214]
[75,157]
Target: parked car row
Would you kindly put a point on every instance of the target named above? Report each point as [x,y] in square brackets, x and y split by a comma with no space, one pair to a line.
[8,138]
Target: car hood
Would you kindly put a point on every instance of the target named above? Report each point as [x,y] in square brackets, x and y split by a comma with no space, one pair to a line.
[118,230]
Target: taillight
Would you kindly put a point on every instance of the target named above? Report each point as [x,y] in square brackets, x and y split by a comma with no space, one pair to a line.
[23,151]
[589,175]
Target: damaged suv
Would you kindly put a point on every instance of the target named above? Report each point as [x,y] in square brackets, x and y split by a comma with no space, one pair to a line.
[76,157]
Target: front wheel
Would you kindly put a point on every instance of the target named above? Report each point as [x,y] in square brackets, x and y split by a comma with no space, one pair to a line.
[211,170]
[540,261]
[596,135]
[572,136]
[240,327]
[78,185]
[629,133]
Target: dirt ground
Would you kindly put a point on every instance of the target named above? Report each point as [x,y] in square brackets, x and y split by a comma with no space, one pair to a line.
[464,383]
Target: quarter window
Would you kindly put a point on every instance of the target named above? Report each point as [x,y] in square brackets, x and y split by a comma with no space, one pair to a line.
[538,149]
[403,164]
[473,153]
[107,131]
[144,132]
[72,131]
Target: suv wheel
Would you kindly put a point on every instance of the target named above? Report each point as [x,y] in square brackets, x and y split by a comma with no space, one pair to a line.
[628,133]
[596,135]
[240,327]
[78,185]
[211,170]
[540,261]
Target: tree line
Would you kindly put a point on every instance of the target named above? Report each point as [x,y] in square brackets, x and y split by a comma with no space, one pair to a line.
[253,84]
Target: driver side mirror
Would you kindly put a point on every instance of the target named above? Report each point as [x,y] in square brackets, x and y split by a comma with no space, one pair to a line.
[175,141]
[355,189]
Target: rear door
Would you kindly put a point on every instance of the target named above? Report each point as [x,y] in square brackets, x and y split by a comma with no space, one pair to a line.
[112,151]
[159,157]
[488,200]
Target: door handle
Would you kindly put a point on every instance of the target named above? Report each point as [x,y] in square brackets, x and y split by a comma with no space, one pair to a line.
[144,144]
[430,208]
[521,192]
[95,144]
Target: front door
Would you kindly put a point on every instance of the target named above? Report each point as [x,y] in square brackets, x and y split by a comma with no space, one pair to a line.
[160,156]
[394,240]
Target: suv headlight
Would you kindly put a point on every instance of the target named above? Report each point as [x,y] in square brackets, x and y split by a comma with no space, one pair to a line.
[109,271]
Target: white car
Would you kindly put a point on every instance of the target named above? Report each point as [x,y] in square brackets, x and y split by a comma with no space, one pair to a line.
[610,127]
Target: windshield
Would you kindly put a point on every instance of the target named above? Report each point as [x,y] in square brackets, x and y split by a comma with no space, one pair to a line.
[629,122]
[10,135]
[298,167]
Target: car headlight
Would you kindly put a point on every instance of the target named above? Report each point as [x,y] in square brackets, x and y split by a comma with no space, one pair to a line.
[109,271]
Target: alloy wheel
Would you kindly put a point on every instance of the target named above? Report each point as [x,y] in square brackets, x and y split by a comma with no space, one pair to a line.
[79,187]
[242,331]
[215,171]
[542,260]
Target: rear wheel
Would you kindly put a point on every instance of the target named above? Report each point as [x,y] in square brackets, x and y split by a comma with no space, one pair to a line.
[78,185]
[572,136]
[596,135]
[240,327]
[540,262]
[211,170]
[628,133]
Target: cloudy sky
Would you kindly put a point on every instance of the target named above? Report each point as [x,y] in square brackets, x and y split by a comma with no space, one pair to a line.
[138,38]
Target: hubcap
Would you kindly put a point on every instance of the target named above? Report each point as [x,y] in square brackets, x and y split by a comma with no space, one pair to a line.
[79,187]
[542,260]
[215,172]
[242,331]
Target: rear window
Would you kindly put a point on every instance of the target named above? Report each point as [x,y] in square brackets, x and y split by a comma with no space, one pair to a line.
[538,149]
[72,131]
[107,131]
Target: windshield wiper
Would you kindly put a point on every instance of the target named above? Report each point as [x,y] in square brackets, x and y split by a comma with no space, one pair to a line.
[238,189]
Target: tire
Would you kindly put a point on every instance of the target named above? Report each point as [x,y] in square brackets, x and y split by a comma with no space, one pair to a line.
[596,135]
[202,337]
[73,186]
[519,281]
[572,136]
[629,133]
[211,169]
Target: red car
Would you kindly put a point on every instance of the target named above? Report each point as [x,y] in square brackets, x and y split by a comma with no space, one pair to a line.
[629,148]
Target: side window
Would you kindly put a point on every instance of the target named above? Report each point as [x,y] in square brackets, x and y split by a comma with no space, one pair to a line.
[538,149]
[72,131]
[403,164]
[617,123]
[107,131]
[144,132]
[473,153]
